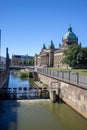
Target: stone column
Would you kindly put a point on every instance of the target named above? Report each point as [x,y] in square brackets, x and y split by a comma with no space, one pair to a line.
[49,58]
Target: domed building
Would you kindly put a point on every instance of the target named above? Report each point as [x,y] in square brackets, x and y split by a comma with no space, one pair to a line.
[69,38]
[52,56]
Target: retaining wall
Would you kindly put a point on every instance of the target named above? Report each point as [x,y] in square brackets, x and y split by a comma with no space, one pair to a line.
[71,94]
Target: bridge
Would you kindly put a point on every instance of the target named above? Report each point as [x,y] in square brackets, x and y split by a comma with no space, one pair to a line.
[21,67]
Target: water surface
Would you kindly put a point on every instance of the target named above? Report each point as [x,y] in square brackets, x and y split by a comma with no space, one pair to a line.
[37,114]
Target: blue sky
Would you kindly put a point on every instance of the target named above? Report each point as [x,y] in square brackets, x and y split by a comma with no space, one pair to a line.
[27,24]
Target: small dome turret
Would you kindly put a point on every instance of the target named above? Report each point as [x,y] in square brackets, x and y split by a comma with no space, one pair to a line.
[51,45]
[44,47]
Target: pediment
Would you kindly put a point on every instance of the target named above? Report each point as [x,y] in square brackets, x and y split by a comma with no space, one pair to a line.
[44,51]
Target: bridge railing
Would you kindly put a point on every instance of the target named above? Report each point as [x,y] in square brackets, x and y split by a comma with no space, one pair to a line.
[70,76]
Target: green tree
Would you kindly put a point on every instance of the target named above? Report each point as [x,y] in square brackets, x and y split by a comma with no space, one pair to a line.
[83,61]
[24,62]
[76,56]
[27,62]
[20,62]
[73,56]
[32,61]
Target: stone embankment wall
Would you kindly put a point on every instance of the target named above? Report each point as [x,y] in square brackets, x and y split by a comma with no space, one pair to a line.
[74,96]
[3,77]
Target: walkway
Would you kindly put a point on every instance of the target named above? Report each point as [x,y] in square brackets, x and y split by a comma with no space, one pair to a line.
[65,76]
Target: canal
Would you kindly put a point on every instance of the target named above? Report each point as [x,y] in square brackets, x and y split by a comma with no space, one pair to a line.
[37,114]
[22,88]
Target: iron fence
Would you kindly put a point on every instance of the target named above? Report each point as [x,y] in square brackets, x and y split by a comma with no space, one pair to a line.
[70,76]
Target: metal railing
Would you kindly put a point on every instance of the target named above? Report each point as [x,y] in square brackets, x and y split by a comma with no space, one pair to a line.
[69,76]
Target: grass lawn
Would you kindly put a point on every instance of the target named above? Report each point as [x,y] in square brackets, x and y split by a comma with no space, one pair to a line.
[80,71]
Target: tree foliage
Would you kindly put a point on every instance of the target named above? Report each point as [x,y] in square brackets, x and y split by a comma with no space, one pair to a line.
[75,56]
[26,62]
[23,75]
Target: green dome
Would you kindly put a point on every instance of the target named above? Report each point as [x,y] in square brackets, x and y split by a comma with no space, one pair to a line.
[70,35]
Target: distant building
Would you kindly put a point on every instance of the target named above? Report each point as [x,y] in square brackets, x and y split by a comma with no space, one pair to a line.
[20,58]
[3,60]
[52,56]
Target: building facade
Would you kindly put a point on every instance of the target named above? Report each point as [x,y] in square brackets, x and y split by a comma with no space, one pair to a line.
[52,56]
[16,59]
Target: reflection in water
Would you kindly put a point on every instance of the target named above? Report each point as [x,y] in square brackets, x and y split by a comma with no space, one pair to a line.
[67,117]
[21,88]
[38,114]
[15,81]
[44,115]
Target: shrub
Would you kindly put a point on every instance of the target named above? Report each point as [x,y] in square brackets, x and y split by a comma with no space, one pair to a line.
[23,75]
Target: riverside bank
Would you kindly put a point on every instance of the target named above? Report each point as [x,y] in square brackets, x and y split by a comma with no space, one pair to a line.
[73,94]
